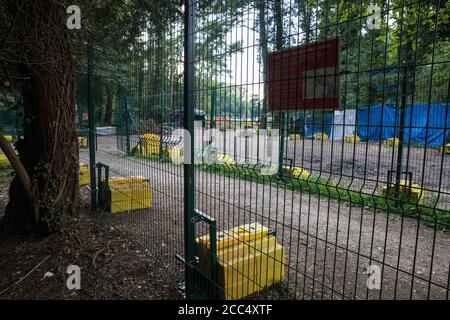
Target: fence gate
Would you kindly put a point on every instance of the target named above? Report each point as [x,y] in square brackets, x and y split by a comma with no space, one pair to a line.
[281,149]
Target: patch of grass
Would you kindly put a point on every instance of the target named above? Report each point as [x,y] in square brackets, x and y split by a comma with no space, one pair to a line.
[425,211]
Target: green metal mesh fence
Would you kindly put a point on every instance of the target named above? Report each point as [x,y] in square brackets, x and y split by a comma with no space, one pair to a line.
[319,165]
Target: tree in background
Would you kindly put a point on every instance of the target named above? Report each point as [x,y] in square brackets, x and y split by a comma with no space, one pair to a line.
[38,57]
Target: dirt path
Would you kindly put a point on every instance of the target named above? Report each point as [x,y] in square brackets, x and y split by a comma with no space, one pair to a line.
[112,266]
[328,243]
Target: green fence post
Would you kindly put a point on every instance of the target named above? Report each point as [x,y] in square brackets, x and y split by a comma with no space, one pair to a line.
[16,127]
[189,173]
[212,122]
[401,138]
[281,147]
[161,127]
[127,124]
[91,118]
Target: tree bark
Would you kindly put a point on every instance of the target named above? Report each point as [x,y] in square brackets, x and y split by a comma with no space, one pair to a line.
[49,150]
[279,44]
[109,104]
[261,6]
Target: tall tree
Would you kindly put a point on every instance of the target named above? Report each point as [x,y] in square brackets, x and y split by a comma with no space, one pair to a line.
[40,65]
[263,48]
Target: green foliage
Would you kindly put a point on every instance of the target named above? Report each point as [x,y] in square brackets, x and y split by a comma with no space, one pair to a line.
[426,211]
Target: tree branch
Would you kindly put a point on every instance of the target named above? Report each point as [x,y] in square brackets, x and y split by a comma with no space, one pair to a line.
[18,167]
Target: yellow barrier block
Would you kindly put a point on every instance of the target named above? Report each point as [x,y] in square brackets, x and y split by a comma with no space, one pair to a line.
[296,172]
[248,260]
[9,138]
[321,136]
[84,175]
[446,149]
[126,194]
[147,147]
[174,153]
[295,137]
[148,144]
[352,139]
[415,194]
[225,159]
[391,142]
[249,124]
[82,142]
[4,162]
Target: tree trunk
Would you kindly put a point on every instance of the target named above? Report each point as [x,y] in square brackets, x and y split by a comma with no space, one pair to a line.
[261,6]
[279,41]
[109,104]
[304,8]
[98,99]
[49,150]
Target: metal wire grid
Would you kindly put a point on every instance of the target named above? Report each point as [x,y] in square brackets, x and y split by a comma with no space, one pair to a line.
[330,237]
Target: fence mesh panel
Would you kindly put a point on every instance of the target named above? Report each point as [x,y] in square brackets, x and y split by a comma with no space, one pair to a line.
[325,123]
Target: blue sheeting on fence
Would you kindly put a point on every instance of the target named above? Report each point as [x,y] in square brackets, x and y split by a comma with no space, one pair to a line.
[321,125]
[424,124]
[377,122]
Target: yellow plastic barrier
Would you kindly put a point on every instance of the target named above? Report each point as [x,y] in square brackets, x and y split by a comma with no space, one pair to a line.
[446,149]
[352,139]
[8,138]
[84,175]
[249,124]
[294,137]
[415,194]
[248,260]
[82,142]
[148,144]
[321,136]
[296,172]
[391,142]
[225,159]
[130,193]
[4,162]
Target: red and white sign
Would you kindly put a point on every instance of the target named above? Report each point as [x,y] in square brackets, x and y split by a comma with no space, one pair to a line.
[304,77]
[85,116]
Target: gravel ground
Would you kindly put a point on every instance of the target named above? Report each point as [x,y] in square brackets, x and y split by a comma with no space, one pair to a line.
[328,243]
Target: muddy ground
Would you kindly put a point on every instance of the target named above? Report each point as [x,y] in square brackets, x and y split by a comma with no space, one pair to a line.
[328,244]
[112,265]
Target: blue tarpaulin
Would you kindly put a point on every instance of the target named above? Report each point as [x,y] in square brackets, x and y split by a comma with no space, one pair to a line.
[320,125]
[377,122]
[424,124]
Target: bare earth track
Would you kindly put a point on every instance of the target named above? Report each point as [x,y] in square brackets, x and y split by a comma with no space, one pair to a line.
[328,243]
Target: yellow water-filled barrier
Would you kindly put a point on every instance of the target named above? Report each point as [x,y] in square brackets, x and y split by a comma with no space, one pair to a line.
[352,139]
[410,192]
[446,149]
[391,142]
[296,172]
[127,194]
[4,162]
[295,137]
[321,136]
[149,144]
[82,142]
[9,138]
[84,175]
[249,259]
[225,159]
